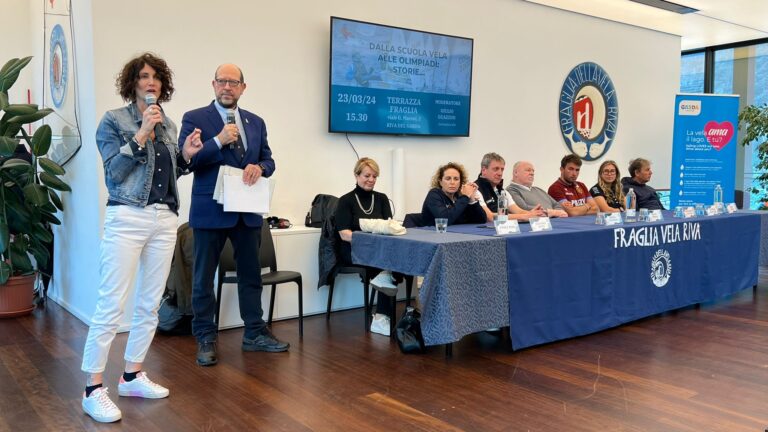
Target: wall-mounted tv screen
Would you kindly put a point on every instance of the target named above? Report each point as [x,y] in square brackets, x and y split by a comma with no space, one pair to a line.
[391,80]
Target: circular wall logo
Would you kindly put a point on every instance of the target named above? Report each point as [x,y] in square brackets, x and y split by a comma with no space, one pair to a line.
[589,111]
[59,64]
[661,268]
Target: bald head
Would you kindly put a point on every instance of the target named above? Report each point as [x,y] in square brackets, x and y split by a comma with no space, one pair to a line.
[230,68]
[228,85]
[522,173]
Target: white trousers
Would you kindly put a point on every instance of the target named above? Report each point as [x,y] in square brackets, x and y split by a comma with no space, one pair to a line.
[137,242]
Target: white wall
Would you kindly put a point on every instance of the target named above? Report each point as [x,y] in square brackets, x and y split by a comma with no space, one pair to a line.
[522,54]
[17,43]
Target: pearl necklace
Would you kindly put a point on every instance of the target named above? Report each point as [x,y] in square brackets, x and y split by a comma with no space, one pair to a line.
[370,209]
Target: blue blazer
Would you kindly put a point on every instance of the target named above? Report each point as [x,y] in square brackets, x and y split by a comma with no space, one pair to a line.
[205,212]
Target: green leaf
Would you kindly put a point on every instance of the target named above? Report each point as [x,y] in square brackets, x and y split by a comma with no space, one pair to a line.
[54,182]
[11,129]
[14,66]
[36,195]
[48,207]
[50,166]
[5,236]
[7,146]
[41,255]
[3,100]
[30,118]
[8,81]
[51,219]
[5,272]
[55,199]
[19,258]
[15,163]
[41,141]
[19,217]
[21,109]
[9,64]
[21,262]
[41,234]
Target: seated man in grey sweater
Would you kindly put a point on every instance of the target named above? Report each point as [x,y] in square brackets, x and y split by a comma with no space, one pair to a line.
[528,196]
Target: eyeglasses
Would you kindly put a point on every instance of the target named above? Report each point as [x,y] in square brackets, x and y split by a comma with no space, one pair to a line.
[224,82]
[609,171]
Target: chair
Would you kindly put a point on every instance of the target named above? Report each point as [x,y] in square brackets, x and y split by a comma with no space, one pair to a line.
[274,277]
[413,220]
[365,278]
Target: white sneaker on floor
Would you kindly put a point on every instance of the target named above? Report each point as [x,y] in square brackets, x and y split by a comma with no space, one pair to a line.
[142,387]
[100,407]
[380,324]
[383,282]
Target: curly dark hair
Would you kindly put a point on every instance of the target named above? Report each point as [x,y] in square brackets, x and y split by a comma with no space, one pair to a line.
[128,78]
[443,168]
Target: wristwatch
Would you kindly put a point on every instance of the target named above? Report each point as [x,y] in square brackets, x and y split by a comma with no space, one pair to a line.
[261,165]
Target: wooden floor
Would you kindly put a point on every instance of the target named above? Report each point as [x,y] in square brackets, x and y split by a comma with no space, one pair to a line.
[695,370]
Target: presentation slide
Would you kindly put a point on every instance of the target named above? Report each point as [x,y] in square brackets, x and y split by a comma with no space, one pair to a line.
[388,80]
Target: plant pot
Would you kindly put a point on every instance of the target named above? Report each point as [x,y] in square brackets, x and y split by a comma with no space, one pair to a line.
[17,296]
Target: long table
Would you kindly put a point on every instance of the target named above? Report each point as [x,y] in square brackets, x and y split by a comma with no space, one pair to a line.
[577,279]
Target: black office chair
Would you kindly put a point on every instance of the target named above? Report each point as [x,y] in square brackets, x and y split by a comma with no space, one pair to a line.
[274,277]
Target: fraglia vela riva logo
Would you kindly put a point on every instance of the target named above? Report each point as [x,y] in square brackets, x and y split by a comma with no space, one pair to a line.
[589,111]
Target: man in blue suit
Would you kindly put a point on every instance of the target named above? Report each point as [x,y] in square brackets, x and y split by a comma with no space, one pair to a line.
[235,137]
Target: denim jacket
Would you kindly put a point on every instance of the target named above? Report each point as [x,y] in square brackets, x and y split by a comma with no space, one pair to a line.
[127,168]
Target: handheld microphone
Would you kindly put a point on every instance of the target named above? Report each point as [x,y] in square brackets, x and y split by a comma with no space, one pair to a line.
[231,117]
[150,100]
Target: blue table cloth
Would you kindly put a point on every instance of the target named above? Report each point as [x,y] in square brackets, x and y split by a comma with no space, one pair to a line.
[577,279]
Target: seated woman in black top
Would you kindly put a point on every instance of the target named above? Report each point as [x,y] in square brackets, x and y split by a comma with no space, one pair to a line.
[607,192]
[364,203]
[452,197]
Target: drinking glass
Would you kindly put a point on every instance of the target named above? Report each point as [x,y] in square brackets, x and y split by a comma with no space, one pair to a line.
[441,225]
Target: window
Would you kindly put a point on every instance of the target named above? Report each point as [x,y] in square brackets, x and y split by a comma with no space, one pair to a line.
[736,69]
[692,73]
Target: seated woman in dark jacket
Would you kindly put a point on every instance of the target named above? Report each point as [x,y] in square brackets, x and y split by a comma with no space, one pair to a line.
[364,203]
[607,192]
[452,197]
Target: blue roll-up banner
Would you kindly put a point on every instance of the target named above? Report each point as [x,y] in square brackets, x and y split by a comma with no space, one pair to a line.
[704,148]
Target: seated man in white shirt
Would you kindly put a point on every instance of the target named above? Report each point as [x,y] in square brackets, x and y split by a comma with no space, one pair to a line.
[527,196]
[490,191]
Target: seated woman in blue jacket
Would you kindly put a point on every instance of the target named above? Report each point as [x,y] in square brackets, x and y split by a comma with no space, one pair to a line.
[452,197]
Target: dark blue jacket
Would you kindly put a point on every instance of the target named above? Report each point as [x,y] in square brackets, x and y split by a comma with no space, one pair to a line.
[438,205]
[205,212]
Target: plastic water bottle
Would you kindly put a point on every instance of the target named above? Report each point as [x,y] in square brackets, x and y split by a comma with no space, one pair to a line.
[718,194]
[502,203]
[631,208]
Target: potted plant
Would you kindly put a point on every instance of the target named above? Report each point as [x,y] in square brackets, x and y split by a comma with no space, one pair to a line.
[29,197]
[753,120]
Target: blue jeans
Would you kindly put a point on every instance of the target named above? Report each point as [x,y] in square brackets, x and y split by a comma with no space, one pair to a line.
[246,242]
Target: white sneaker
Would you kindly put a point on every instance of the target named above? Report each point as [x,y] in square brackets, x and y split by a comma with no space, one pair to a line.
[142,387]
[384,283]
[380,324]
[100,407]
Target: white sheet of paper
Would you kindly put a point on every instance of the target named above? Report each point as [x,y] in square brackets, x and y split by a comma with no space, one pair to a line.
[239,197]
[217,195]
[655,215]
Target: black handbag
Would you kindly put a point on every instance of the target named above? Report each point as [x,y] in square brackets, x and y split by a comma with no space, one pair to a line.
[408,332]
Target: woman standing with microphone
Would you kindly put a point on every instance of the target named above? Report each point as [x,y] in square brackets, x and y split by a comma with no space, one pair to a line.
[142,160]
